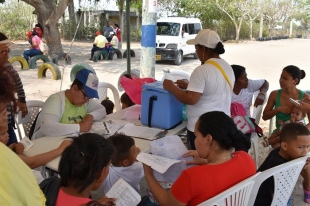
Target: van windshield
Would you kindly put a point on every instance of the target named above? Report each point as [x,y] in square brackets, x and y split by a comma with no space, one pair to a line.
[168,29]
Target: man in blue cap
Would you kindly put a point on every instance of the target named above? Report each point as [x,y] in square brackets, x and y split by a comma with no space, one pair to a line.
[73,110]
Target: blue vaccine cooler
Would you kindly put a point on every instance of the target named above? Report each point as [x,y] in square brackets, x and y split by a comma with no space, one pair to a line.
[159,108]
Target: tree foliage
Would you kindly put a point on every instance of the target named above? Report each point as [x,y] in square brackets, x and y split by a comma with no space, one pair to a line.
[16,19]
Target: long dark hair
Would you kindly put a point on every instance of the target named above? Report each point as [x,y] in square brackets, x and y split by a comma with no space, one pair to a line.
[223,130]
[83,161]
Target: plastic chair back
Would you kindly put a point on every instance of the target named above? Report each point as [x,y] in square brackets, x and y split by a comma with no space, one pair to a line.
[256,114]
[103,90]
[285,177]
[237,195]
[179,75]
[24,124]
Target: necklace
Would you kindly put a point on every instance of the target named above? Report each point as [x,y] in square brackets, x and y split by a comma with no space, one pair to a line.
[225,158]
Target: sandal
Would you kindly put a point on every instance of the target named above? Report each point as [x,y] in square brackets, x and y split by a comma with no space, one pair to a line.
[306,193]
[265,143]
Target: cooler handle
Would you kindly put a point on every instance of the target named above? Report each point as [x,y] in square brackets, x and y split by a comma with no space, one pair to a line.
[152,99]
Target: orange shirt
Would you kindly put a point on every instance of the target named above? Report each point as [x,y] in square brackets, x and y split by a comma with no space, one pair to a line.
[64,199]
[199,183]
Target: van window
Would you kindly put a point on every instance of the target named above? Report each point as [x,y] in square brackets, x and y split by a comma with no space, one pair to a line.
[167,29]
[197,27]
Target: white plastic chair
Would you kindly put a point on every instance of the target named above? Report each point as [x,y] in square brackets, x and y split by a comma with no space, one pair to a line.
[24,124]
[237,195]
[285,177]
[103,90]
[179,75]
[256,114]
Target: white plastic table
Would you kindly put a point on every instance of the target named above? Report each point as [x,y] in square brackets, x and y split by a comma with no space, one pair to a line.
[46,144]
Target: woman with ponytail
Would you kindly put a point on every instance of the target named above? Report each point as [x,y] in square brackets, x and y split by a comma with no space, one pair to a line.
[210,85]
[219,168]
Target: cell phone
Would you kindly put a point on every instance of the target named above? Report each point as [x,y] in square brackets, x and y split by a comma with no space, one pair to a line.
[294,102]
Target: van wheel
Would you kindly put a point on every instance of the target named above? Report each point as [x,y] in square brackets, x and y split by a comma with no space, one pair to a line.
[178,59]
[195,56]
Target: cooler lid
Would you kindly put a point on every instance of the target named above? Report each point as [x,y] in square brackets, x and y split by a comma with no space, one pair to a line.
[155,86]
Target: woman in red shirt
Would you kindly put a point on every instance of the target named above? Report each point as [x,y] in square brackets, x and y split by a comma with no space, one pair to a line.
[217,167]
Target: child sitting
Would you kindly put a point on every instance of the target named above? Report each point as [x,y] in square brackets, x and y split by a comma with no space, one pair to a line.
[83,167]
[37,160]
[294,143]
[126,101]
[124,163]
[296,116]
[108,104]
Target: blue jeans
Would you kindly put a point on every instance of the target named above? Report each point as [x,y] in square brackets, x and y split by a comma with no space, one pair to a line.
[93,50]
[109,49]
[146,202]
[31,53]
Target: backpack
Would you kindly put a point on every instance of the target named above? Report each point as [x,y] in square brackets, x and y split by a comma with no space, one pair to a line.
[243,122]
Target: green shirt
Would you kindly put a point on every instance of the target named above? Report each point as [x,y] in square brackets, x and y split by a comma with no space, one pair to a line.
[73,114]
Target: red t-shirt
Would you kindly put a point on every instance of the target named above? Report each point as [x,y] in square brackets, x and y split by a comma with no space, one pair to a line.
[64,199]
[199,183]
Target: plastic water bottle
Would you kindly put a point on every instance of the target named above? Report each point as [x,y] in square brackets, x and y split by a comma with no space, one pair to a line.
[184,113]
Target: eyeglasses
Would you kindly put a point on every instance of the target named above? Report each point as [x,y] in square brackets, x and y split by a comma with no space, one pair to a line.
[85,96]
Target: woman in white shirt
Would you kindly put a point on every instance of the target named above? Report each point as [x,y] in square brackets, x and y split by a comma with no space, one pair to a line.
[244,89]
[208,89]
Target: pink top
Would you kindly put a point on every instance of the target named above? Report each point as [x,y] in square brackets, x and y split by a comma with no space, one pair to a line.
[37,40]
[64,199]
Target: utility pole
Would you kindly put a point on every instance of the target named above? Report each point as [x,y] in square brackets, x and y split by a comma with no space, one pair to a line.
[148,40]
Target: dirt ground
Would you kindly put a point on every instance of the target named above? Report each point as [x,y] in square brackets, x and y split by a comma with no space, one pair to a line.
[263,60]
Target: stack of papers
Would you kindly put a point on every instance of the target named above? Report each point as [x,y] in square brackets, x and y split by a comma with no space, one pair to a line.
[166,158]
[140,131]
[107,128]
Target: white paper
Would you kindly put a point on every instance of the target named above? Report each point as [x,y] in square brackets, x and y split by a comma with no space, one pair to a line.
[27,143]
[139,131]
[172,173]
[167,75]
[125,194]
[170,147]
[131,115]
[100,128]
[158,163]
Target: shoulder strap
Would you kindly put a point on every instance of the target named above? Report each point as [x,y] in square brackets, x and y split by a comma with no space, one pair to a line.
[221,70]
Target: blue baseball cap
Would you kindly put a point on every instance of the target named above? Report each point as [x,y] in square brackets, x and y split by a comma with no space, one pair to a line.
[90,82]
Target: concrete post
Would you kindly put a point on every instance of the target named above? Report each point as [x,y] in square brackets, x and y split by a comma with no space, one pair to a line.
[148,39]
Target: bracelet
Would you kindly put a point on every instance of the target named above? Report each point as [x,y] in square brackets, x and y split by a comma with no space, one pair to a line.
[264,93]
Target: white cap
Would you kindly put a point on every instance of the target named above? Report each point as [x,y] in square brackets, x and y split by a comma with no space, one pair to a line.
[207,38]
[111,33]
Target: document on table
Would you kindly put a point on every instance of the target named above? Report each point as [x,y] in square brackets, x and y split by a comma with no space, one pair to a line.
[170,147]
[125,194]
[140,132]
[106,128]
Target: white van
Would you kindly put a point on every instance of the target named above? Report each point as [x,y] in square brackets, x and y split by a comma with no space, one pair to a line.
[171,36]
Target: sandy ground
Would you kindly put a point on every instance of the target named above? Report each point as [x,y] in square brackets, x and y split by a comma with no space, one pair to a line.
[263,60]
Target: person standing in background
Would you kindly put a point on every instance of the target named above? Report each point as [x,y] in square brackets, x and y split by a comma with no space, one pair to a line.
[106,31]
[118,34]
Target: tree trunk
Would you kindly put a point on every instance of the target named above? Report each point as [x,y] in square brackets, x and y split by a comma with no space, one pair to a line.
[72,19]
[261,24]
[48,16]
[251,29]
